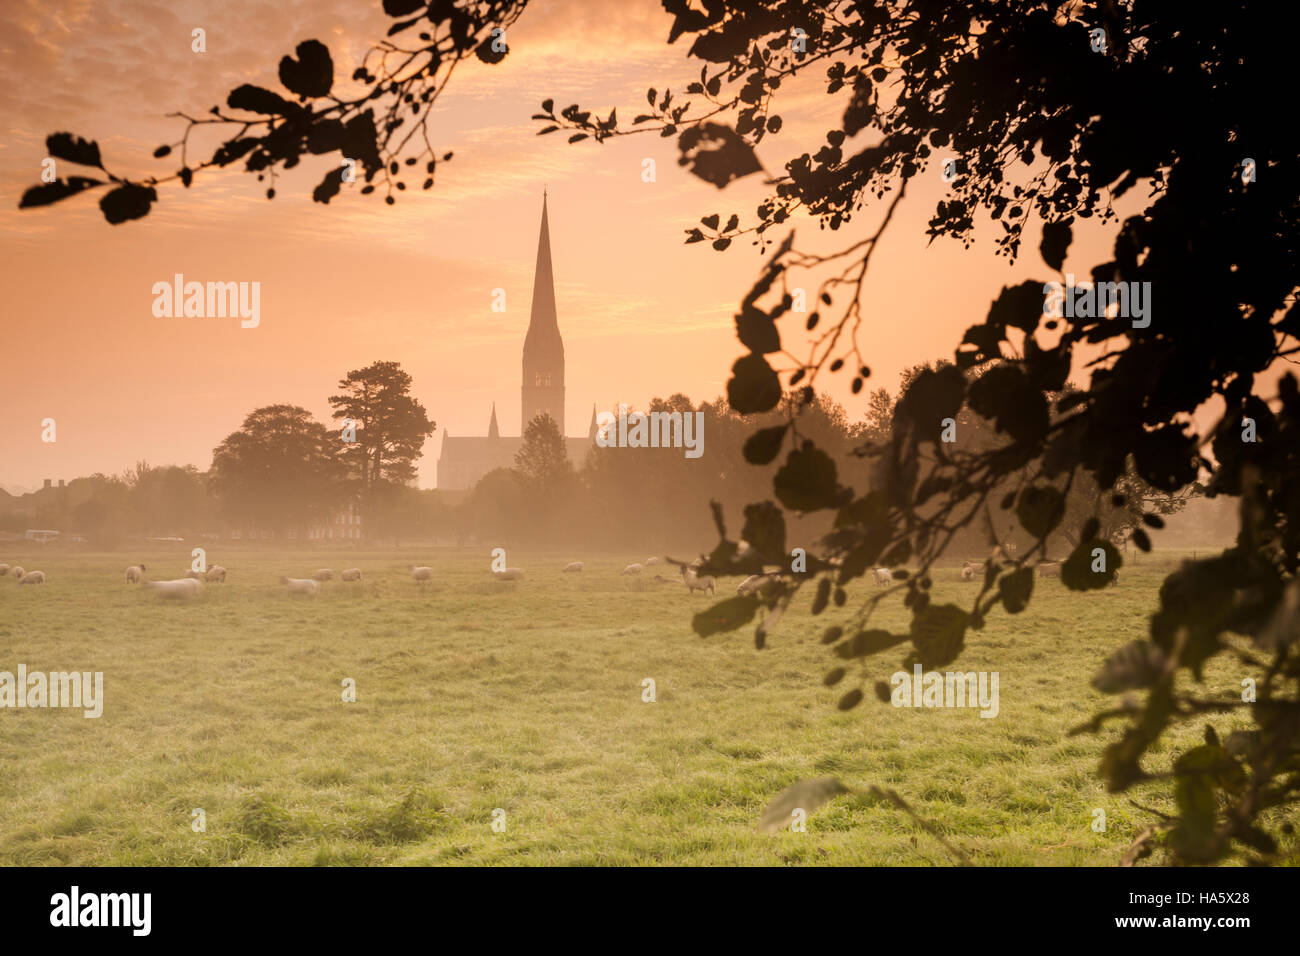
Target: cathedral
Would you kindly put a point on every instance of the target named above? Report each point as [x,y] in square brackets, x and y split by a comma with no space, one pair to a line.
[463,461]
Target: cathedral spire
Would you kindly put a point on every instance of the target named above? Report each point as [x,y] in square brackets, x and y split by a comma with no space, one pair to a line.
[493,431]
[543,365]
[591,429]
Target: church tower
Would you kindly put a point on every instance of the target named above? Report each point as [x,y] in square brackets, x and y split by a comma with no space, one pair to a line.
[543,381]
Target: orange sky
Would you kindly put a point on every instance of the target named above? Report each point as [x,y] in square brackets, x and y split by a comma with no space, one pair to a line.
[356,281]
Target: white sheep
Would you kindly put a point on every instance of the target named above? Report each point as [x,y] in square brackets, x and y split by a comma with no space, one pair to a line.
[1049,569]
[17,571]
[631,569]
[882,576]
[754,583]
[968,569]
[4,569]
[301,586]
[697,582]
[134,573]
[216,573]
[651,561]
[422,573]
[509,574]
[574,566]
[32,577]
[182,589]
[323,574]
[351,574]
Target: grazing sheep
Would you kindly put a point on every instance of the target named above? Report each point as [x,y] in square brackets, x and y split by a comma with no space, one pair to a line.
[182,589]
[697,582]
[323,574]
[509,574]
[968,569]
[301,585]
[216,573]
[422,573]
[1114,578]
[651,561]
[4,569]
[882,576]
[351,574]
[32,577]
[1049,569]
[16,571]
[196,575]
[631,569]
[573,566]
[134,573]
[754,583]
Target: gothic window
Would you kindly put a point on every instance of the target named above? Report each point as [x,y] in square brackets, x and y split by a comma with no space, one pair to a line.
[538,379]
[548,379]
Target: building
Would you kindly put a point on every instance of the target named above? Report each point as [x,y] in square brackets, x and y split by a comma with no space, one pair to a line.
[463,461]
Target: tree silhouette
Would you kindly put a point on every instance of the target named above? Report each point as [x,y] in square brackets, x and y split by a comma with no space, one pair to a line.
[391,425]
[1031,112]
[278,471]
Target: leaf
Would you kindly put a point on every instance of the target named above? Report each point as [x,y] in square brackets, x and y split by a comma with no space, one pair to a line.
[765,530]
[401,8]
[1136,665]
[1040,509]
[834,676]
[325,137]
[74,149]
[807,481]
[938,634]
[754,327]
[1056,243]
[716,153]
[850,700]
[126,202]
[255,99]
[53,192]
[1016,589]
[935,394]
[725,615]
[312,73]
[1077,573]
[487,53]
[762,447]
[806,795]
[328,187]
[753,386]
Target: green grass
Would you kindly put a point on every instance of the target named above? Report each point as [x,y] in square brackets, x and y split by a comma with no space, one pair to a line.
[475,694]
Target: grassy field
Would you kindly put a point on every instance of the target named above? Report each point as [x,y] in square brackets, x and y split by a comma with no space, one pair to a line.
[475,694]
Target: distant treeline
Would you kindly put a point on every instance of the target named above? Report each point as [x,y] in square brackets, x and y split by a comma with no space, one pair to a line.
[285,477]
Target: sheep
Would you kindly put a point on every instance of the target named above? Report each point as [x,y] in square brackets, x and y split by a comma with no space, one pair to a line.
[32,577]
[17,572]
[882,576]
[754,583]
[695,581]
[1049,569]
[422,573]
[1114,578]
[216,573]
[573,566]
[182,589]
[651,561]
[968,569]
[135,573]
[351,574]
[631,569]
[4,569]
[301,585]
[509,574]
[323,574]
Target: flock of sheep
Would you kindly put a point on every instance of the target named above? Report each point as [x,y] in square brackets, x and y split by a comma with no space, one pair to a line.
[191,585]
